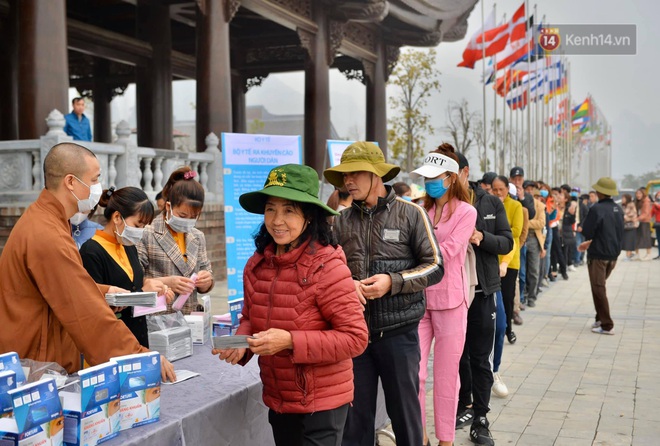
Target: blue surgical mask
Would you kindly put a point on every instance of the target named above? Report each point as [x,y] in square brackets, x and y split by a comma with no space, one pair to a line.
[574,194]
[544,193]
[435,188]
[406,197]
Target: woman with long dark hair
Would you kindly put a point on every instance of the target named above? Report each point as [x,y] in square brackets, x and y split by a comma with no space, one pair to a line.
[301,310]
[111,257]
[643,204]
[448,204]
[630,224]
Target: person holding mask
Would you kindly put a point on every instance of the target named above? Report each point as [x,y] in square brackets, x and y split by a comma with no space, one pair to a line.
[172,249]
[82,228]
[301,310]
[111,257]
[42,316]
[445,320]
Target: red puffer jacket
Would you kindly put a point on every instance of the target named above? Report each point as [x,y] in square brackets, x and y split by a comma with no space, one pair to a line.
[310,293]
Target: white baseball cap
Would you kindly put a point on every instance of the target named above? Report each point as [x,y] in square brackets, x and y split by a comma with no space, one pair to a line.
[435,164]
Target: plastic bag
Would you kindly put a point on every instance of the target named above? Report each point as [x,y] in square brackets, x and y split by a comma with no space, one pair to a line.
[36,370]
[170,335]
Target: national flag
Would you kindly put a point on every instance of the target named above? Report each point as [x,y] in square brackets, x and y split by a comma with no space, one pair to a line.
[494,38]
[516,49]
[581,110]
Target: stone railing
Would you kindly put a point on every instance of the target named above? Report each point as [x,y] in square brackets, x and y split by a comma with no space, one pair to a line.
[123,163]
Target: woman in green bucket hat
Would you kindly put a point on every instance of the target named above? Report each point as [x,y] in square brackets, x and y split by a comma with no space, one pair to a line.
[301,311]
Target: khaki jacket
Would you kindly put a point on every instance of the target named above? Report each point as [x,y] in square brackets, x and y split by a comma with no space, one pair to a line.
[537,223]
[51,310]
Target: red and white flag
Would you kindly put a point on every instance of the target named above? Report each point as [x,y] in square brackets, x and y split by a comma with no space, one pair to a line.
[491,39]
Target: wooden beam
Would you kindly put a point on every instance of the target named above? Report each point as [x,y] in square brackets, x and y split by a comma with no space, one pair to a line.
[280,15]
[98,42]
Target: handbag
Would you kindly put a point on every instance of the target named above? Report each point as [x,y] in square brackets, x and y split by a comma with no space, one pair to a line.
[630,225]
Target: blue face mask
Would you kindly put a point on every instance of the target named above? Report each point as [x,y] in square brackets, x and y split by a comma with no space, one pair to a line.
[544,193]
[435,188]
[574,194]
[406,197]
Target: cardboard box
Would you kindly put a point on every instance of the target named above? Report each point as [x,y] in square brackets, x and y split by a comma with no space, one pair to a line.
[139,381]
[10,361]
[7,383]
[198,328]
[92,415]
[38,414]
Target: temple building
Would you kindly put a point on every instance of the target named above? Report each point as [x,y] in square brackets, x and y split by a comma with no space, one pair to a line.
[227,46]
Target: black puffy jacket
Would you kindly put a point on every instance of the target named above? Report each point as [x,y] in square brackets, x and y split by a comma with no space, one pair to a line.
[498,240]
[396,238]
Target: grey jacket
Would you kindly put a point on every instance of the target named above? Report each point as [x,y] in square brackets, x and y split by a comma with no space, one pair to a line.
[396,238]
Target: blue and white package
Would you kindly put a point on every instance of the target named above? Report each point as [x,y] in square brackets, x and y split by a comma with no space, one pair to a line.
[38,414]
[92,415]
[11,361]
[7,383]
[139,380]
[8,432]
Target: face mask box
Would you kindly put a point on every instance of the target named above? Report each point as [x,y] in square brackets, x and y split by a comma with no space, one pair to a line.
[7,383]
[139,382]
[92,415]
[37,414]
[222,325]
[200,321]
[10,361]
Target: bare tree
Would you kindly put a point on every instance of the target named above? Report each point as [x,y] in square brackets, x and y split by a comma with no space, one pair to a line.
[416,79]
[482,141]
[460,125]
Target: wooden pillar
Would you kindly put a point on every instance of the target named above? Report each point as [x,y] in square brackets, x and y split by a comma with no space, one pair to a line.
[238,103]
[43,64]
[317,91]
[377,99]
[9,75]
[154,81]
[102,98]
[214,83]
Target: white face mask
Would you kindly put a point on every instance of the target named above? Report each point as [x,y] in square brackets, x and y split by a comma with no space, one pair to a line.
[77,219]
[130,235]
[95,191]
[178,224]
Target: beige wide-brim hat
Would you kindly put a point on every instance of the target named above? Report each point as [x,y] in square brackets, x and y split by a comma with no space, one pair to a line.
[361,156]
[606,186]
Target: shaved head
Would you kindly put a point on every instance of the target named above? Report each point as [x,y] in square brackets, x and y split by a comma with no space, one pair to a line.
[64,159]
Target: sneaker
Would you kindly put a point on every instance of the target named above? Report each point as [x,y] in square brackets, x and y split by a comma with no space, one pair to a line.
[531,303]
[545,283]
[464,417]
[600,330]
[572,268]
[479,433]
[499,389]
[595,324]
[511,337]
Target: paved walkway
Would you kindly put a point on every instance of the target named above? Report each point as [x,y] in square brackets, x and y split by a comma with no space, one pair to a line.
[569,386]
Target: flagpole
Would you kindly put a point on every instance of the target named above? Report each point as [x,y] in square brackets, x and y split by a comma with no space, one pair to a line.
[569,140]
[503,148]
[483,92]
[511,135]
[495,112]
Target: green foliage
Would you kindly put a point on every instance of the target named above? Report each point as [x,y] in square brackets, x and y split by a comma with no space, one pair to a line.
[415,79]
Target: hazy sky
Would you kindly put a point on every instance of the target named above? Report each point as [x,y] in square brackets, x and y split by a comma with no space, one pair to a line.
[622,86]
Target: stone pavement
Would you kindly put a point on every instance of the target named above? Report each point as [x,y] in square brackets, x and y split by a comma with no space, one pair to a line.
[569,386]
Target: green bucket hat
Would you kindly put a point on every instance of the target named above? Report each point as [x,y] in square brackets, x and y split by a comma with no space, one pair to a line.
[359,156]
[291,182]
[606,186]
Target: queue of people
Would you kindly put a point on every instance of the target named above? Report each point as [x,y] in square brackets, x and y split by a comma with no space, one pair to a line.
[338,296]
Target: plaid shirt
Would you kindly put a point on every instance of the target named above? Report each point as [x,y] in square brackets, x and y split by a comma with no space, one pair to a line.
[160,256]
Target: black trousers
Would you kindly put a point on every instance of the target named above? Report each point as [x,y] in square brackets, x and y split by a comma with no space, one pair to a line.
[508,295]
[396,360]
[569,245]
[324,428]
[476,366]
[557,253]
